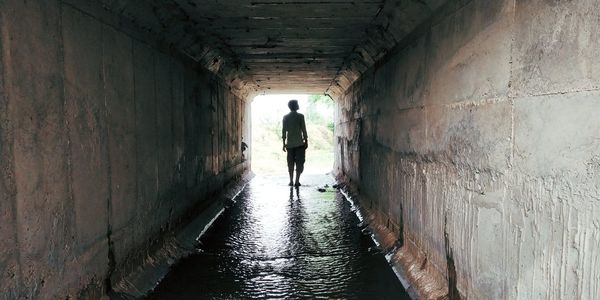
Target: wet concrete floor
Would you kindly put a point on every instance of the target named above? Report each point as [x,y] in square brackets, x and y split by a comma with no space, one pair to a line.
[278,242]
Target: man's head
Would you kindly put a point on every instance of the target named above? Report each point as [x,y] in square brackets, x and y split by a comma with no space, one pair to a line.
[293,105]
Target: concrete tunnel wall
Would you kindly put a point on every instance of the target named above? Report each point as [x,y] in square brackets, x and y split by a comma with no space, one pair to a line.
[107,142]
[474,146]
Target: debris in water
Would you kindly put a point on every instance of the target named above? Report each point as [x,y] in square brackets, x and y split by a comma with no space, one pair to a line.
[362,225]
[375,250]
[322,190]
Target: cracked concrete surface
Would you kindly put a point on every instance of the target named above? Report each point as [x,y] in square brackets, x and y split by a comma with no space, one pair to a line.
[475,144]
[108,143]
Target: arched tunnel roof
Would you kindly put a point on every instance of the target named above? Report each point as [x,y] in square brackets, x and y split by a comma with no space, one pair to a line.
[280,45]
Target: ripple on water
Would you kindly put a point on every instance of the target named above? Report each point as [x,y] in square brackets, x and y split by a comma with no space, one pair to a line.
[282,243]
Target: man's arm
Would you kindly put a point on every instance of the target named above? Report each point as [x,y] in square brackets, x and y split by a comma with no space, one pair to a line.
[283,133]
[304,132]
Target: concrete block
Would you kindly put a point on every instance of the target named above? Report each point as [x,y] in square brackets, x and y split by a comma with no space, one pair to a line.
[375,161]
[9,267]
[402,130]
[192,105]
[469,53]
[463,210]
[209,112]
[178,94]
[219,152]
[407,187]
[120,112]
[439,186]
[86,116]
[401,80]
[146,139]
[556,47]
[179,183]
[557,134]
[231,129]
[166,164]
[474,136]
[366,132]
[33,87]
[488,273]
[553,233]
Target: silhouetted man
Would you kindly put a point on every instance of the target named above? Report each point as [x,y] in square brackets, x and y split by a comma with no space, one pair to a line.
[294,131]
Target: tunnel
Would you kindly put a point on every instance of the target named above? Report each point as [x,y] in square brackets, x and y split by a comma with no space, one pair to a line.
[467,132]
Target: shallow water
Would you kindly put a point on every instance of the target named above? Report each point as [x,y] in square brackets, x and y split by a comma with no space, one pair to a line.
[278,242]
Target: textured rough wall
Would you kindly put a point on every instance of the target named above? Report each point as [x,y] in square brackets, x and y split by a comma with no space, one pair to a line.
[106,142]
[475,146]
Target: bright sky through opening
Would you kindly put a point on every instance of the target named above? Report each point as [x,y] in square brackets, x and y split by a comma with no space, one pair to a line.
[267,155]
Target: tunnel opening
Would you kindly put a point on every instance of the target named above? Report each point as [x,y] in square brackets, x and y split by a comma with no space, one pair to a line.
[266,151]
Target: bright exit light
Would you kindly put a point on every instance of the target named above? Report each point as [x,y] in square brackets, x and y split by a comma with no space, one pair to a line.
[267,113]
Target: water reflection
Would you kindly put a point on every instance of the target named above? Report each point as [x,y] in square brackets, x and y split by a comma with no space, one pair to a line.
[307,246]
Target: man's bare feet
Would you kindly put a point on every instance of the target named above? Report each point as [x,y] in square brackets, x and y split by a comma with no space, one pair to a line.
[297,183]
[291,184]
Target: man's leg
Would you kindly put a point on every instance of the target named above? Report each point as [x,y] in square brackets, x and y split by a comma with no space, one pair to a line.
[298,178]
[299,159]
[290,162]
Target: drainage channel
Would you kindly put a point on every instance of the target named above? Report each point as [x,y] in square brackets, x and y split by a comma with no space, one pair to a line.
[277,242]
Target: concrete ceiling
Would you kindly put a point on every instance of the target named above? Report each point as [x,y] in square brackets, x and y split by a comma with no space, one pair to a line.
[276,46]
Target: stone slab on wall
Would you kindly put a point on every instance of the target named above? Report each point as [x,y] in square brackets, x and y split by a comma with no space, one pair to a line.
[167,162]
[477,150]
[35,114]
[86,131]
[99,130]
[555,205]
[556,47]
[9,252]
[119,99]
[146,138]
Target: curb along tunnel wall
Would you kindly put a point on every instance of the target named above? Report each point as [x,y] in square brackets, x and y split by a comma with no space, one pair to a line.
[476,145]
[106,143]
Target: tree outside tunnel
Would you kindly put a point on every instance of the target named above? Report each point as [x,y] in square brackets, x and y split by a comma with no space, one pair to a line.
[267,114]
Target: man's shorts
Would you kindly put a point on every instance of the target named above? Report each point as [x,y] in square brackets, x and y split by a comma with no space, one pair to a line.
[296,156]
